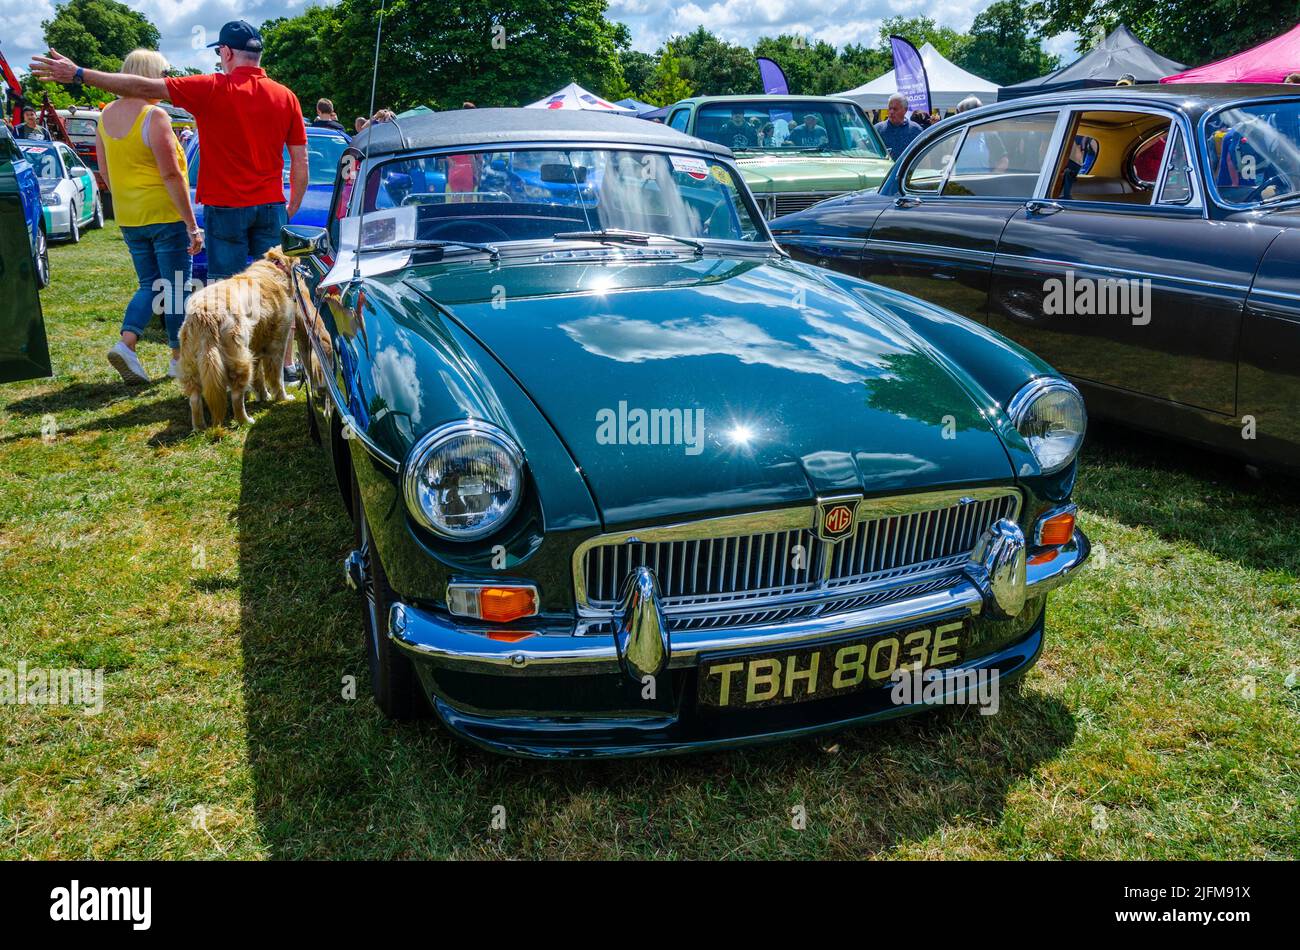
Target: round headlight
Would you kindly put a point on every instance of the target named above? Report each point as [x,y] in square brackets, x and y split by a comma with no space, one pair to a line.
[463,480]
[1049,413]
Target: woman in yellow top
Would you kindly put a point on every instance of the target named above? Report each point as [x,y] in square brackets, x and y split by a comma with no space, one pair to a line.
[148,179]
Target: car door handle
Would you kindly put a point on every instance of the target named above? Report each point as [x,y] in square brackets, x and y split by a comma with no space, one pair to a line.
[906,201]
[1042,207]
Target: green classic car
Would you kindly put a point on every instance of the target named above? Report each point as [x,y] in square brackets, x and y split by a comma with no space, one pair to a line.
[793,151]
[625,479]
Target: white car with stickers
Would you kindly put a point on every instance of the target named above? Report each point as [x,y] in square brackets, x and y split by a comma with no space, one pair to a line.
[70,198]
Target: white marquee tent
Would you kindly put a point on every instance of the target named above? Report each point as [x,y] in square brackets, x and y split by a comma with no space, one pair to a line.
[574,96]
[949,84]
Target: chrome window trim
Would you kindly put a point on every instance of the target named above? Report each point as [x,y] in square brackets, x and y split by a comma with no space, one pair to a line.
[780,519]
[904,173]
[961,253]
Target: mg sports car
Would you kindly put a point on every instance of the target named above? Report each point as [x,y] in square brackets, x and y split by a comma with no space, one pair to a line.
[1145,240]
[626,479]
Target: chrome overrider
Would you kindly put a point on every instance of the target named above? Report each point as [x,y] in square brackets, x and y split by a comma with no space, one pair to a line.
[997,569]
[997,579]
[642,632]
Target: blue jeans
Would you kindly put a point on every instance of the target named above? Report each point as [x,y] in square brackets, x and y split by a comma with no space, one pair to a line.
[235,235]
[161,254]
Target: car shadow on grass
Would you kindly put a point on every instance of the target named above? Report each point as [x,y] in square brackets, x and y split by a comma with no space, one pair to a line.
[1186,493]
[333,779]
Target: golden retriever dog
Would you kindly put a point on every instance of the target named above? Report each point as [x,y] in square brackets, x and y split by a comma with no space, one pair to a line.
[234,336]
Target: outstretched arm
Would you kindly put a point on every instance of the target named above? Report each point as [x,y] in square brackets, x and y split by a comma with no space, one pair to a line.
[63,70]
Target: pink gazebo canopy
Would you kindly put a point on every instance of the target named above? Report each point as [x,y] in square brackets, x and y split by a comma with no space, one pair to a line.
[1272,61]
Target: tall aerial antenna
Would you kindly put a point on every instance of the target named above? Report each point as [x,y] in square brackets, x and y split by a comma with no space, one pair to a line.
[374,81]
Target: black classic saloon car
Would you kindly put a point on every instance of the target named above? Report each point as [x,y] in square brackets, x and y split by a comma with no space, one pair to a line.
[626,479]
[1144,240]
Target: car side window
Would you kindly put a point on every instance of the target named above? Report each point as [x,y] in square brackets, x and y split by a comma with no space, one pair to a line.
[931,165]
[679,119]
[1002,158]
[1177,189]
[1130,152]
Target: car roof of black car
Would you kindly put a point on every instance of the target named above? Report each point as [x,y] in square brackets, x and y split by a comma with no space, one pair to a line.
[476,127]
[1192,98]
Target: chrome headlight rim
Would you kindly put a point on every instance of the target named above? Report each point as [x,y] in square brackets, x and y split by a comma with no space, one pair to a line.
[430,443]
[1024,400]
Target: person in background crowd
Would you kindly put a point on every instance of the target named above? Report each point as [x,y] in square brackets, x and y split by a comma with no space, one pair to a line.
[970,102]
[360,124]
[921,118]
[897,131]
[146,171]
[809,134]
[326,118]
[245,121]
[1128,79]
[737,133]
[384,115]
[1293,79]
[468,105]
[29,129]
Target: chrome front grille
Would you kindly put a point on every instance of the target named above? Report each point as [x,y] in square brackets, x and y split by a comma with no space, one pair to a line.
[753,564]
[775,204]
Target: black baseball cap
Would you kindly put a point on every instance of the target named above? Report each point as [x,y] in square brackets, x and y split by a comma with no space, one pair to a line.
[239,34]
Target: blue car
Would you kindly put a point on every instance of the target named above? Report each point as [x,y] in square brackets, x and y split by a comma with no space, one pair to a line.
[28,187]
[324,149]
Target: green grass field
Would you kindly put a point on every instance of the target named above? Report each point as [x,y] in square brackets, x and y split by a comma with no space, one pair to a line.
[1163,720]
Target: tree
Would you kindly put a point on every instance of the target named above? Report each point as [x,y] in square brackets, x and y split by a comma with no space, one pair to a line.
[920,30]
[98,34]
[811,69]
[1004,46]
[638,68]
[713,66]
[667,85]
[486,51]
[1189,31]
[295,48]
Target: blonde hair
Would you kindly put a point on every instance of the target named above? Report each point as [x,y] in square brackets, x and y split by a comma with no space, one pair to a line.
[148,63]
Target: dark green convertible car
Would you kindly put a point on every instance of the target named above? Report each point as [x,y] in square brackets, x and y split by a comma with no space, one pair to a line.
[628,480]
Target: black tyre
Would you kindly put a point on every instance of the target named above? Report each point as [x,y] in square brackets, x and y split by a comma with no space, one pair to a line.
[393,680]
[42,259]
[313,430]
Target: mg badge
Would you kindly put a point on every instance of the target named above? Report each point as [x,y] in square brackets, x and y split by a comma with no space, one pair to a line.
[835,520]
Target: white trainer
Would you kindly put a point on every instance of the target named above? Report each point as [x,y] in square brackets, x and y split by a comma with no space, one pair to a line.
[124,360]
[174,369]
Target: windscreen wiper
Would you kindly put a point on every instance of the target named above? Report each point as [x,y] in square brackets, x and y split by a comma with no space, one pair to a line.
[423,245]
[624,236]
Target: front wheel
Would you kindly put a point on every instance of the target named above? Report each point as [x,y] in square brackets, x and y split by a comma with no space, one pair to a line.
[393,680]
[42,259]
[97,220]
[74,227]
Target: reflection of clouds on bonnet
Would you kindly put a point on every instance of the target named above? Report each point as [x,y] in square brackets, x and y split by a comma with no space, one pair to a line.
[838,353]
[396,381]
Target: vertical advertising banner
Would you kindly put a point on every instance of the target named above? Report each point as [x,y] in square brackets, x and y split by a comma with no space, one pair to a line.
[909,74]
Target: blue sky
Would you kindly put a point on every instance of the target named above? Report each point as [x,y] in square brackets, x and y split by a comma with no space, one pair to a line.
[184,24]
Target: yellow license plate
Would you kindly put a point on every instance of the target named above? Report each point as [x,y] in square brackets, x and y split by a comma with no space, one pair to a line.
[828,670]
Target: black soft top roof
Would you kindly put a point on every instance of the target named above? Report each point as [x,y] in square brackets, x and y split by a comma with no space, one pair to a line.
[476,127]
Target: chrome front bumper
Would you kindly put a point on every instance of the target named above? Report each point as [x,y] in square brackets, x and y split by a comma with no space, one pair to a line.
[432,638]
